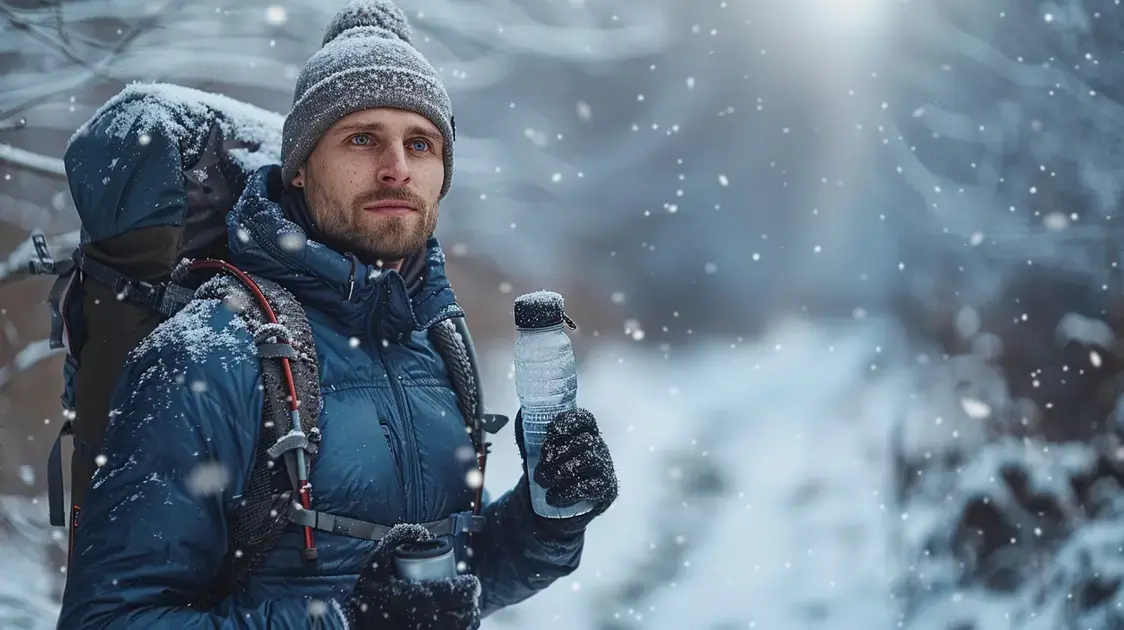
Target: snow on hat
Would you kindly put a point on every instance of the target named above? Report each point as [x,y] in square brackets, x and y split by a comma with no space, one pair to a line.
[366,61]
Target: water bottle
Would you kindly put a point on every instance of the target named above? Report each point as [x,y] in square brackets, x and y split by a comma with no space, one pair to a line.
[546,380]
[425,561]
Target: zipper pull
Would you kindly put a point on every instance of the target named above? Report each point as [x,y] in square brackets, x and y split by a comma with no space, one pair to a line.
[351,276]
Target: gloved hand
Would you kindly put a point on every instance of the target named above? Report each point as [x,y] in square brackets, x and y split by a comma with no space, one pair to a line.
[381,601]
[574,465]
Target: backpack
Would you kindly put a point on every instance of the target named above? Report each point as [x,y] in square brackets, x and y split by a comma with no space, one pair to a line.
[152,240]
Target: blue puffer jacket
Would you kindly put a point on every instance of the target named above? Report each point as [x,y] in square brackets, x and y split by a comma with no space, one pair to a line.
[152,533]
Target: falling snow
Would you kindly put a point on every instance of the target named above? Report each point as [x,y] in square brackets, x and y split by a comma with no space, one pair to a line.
[823,380]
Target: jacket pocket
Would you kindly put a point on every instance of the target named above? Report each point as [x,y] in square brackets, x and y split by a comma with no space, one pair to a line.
[390,446]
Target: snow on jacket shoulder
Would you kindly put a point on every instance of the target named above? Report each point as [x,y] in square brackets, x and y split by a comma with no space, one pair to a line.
[153,531]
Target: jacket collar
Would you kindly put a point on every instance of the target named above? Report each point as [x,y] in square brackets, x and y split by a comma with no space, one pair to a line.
[365,300]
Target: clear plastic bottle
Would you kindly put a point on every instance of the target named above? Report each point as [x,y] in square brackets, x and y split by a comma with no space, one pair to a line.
[546,380]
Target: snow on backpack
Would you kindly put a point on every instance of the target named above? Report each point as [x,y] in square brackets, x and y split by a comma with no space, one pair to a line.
[153,175]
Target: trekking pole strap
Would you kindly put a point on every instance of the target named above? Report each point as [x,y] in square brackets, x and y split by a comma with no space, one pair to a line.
[458,523]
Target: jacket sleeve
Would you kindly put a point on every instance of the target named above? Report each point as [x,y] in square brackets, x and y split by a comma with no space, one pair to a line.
[152,534]
[514,557]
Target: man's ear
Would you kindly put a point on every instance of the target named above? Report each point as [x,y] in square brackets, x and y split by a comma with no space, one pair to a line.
[298,180]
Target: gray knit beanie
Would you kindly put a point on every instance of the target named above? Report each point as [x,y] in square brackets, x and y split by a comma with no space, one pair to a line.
[366,61]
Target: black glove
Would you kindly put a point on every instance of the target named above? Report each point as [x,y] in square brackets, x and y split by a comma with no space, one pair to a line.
[381,601]
[574,465]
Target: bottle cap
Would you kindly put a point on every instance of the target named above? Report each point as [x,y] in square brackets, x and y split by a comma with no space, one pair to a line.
[418,550]
[541,309]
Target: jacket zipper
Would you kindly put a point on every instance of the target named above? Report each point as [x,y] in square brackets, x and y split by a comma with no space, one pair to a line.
[412,481]
[413,506]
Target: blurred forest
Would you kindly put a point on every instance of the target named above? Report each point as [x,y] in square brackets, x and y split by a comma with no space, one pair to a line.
[689,174]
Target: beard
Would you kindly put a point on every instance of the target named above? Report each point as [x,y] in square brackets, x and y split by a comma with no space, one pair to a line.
[375,239]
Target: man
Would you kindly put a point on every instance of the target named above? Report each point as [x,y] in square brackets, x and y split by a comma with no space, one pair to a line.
[367,155]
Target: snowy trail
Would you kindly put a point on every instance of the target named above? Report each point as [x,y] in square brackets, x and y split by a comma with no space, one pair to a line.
[26,582]
[752,481]
[797,426]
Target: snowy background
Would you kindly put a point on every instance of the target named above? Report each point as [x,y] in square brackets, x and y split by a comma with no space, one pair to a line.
[846,273]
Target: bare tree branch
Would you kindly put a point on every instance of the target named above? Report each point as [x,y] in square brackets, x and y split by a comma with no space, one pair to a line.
[15,267]
[59,23]
[61,44]
[19,124]
[34,161]
[27,216]
[96,70]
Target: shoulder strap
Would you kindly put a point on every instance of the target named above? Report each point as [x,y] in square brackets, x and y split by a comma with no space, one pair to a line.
[463,373]
[454,343]
[288,358]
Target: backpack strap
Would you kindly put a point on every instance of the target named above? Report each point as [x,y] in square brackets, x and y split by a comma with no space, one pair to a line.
[45,264]
[454,343]
[66,276]
[287,353]
[489,422]
[55,487]
[166,298]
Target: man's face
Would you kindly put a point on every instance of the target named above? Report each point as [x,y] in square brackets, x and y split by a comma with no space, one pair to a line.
[373,182]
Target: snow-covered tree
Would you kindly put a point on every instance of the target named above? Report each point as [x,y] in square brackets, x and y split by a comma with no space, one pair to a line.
[1007,125]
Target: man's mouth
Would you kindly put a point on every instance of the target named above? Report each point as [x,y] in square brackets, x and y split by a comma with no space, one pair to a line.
[391,208]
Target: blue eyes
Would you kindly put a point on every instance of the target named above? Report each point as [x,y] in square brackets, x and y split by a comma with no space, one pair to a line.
[363,140]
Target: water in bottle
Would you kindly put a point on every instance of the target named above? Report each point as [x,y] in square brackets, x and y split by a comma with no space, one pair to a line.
[546,380]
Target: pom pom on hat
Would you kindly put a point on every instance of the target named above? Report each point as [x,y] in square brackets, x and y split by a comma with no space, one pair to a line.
[382,14]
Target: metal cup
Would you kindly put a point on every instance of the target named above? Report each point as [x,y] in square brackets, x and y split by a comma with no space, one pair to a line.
[425,561]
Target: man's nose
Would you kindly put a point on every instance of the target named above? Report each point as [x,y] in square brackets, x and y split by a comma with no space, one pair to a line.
[393,168]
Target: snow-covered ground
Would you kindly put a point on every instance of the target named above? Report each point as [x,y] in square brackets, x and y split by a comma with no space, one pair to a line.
[754,481]
[27,581]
